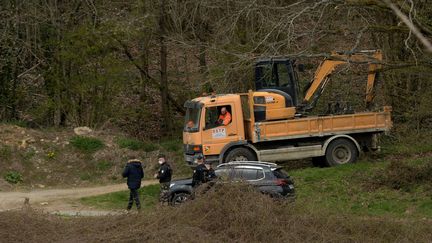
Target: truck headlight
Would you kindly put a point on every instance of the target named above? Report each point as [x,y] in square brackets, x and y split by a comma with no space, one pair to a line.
[171,185]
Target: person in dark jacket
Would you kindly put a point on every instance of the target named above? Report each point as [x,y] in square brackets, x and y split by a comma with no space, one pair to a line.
[164,175]
[211,175]
[200,173]
[134,173]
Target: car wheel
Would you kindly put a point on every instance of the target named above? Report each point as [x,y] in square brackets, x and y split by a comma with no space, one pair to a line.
[341,151]
[240,154]
[179,198]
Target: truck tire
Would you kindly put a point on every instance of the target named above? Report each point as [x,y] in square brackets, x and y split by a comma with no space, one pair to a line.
[240,154]
[341,151]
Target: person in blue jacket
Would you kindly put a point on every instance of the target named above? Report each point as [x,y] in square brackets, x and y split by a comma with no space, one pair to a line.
[134,173]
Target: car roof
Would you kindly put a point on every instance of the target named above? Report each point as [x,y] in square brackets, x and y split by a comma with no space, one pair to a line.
[249,163]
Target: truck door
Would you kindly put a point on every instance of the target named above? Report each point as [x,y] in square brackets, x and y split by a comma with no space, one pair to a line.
[216,136]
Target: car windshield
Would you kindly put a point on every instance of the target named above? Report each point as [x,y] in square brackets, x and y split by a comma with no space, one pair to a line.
[192,118]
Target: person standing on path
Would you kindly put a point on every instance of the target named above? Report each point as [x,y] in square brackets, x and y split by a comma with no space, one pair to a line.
[164,175]
[134,173]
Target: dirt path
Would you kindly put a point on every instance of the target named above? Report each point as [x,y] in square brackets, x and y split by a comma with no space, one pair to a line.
[58,199]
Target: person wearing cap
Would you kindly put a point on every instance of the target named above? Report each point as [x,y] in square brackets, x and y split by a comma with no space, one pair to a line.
[134,173]
[200,173]
[164,175]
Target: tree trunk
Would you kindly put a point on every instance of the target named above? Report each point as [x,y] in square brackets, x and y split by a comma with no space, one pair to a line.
[145,41]
[163,71]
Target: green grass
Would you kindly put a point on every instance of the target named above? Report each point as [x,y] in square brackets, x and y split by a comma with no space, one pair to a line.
[174,145]
[86,144]
[13,177]
[85,176]
[347,189]
[130,143]
[104,165]
[5,152]
[148,147]
[406,144]
[134,144]
[364,189]
[149,196]
[16,123]
[337,190]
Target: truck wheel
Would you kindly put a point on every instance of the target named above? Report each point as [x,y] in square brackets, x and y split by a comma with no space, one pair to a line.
[341,151]
[240,154]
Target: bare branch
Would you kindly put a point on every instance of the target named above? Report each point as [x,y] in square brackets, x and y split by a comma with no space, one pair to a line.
[410,25]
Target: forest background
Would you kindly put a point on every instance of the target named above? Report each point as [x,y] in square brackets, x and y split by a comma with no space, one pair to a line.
[131,64]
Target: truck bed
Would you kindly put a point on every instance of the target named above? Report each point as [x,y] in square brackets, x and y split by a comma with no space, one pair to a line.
[317,126]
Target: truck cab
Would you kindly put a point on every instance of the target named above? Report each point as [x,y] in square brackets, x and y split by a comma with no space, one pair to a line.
[203,135]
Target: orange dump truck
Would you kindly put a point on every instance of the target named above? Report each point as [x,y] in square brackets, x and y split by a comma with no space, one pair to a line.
[271,124]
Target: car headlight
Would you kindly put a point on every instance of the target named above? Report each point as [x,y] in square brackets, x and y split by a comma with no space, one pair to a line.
[172,184]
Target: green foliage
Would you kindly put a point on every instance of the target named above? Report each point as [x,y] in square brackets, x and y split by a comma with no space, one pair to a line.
[13,177]
[104,165]
[406,143]
[172,145]
[130,143]
[349,189]
[86,144]
[19,123]
[148,147]
[5,152]
[149,196]
[42,111]
[134,144]
[85,176]
[405,175]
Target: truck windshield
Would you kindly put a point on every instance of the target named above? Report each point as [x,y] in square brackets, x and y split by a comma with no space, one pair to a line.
[192,118]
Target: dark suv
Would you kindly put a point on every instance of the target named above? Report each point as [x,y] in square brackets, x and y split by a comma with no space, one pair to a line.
[268,178]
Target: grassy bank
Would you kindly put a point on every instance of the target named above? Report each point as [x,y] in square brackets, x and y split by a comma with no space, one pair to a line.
[356,189]
[395,185]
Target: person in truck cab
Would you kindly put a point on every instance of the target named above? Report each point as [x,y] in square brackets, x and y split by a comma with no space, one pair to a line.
[224,117]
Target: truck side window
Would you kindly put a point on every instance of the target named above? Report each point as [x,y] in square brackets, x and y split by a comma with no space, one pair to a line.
[214,114]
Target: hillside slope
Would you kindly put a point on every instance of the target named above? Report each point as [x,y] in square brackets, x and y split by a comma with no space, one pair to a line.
[52,158]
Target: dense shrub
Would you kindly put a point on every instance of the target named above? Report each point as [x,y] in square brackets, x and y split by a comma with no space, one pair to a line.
[86,144]
[134,144]
[129,143]
[231,214]
[13,177]
[401,175]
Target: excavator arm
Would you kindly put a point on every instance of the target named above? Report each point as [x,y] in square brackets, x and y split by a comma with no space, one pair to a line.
[322,75]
